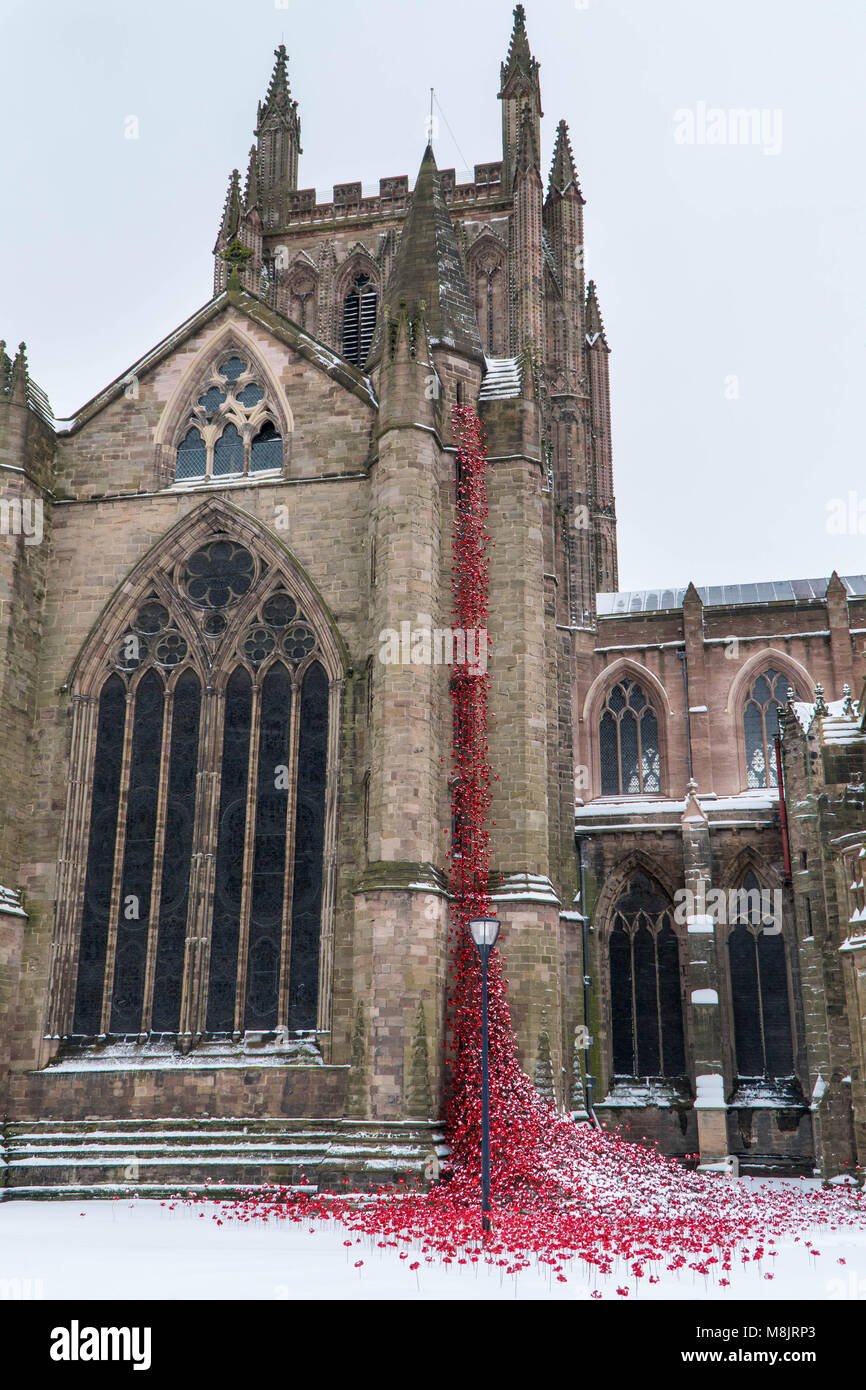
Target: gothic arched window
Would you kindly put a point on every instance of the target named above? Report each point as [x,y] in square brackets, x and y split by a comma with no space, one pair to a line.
[359,319]
[629,742]
[207,817]
[490,296]
[645,990]
[761,727]
[759,987]
[232,430]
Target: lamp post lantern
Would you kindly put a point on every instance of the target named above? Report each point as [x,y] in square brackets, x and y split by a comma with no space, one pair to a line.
[485,933]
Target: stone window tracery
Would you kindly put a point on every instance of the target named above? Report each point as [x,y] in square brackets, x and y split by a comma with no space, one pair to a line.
[629,742]
[759,988]
[761,726]
[645,987]
[169,760]
[232,430]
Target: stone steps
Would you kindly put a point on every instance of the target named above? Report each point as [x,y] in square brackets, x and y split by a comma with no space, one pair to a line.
[62,1158]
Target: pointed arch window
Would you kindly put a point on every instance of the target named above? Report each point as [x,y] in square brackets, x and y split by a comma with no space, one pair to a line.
[233,428]
[629,742]
[359,319]
[645,985]
[180,783]
[759,987]
[490,294]
[761,726]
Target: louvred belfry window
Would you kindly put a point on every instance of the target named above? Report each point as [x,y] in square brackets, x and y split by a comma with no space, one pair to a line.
[629,742]
[645,989]
[759,988]
[231,430]
[206,830]
[761,727]
[359,320]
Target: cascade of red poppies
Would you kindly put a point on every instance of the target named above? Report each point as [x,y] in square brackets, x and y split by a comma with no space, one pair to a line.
[520,1120]
[562,1193]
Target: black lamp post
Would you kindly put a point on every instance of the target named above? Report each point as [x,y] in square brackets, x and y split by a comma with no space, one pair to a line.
[485,933]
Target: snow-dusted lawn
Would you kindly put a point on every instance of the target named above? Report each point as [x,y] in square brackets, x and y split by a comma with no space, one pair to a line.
[140,1249]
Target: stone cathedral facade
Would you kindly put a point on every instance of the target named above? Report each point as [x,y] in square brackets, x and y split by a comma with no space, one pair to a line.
[227,812]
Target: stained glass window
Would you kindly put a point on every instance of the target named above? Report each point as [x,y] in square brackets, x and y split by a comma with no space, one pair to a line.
[269,864]
[100,857]
[228,453]
[629,742]
[645,987]
[177,853]
[191,456]
[266,450]
[310,825]
[207,817]
[759,988]
[761,727]
[229,873]
[232,429]
[138,853]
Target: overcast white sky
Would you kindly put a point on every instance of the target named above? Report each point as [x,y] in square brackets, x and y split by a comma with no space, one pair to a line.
[713,262]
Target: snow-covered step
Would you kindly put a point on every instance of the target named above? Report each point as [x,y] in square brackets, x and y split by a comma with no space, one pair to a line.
[82,1157]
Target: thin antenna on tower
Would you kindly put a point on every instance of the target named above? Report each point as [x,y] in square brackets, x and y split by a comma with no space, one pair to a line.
[430,124]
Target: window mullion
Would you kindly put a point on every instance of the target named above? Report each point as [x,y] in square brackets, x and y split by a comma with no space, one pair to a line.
[117,876]
[638,720]
[193,1011]
[289,877]
[760,993]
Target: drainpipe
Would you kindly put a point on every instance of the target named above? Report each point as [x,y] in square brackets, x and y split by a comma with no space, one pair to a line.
[589,1080]
[683,659]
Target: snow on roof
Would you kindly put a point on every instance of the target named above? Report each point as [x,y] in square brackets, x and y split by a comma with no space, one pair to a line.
[615,807]
[503,378]
[726,595]
[841,723]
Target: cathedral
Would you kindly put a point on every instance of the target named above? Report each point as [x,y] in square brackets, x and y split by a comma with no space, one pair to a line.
[227,815]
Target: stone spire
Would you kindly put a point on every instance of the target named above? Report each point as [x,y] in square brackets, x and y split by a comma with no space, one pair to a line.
[563,174]
[519,88]
[278,141]
[519,61]
[279,96]
[428,276]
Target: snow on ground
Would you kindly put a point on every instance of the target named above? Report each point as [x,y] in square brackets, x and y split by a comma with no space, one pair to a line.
[139,1249]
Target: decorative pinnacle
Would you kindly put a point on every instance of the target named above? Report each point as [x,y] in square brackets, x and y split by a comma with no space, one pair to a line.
[251,186]
[594,321]
[232,210]
[519,53]
[279,93]
[562,170]
[527,150]
[820,702]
